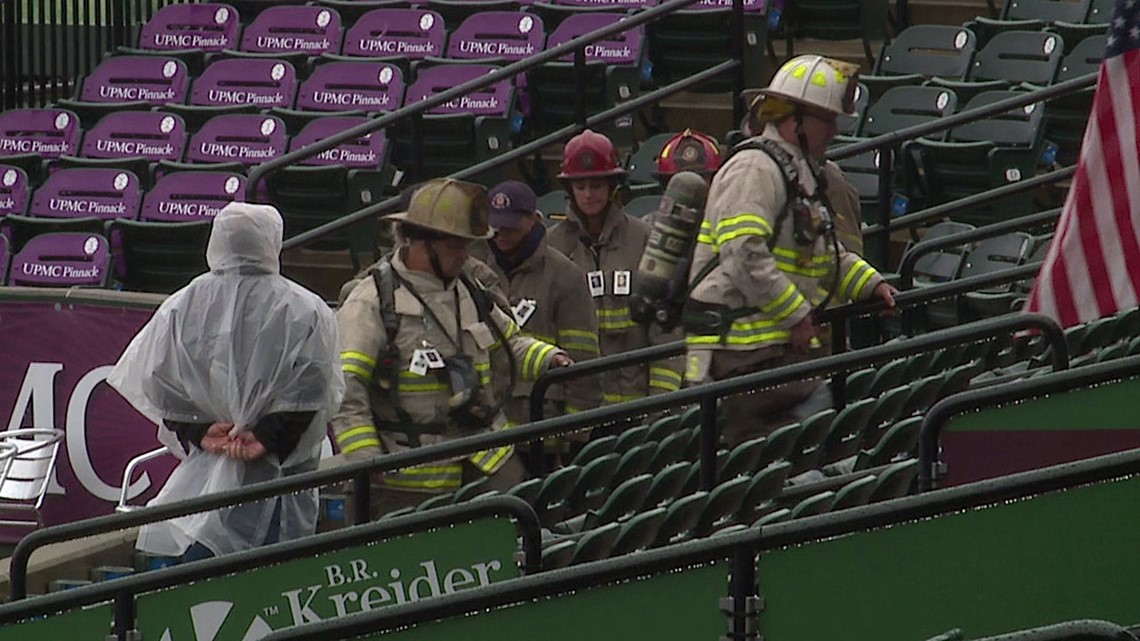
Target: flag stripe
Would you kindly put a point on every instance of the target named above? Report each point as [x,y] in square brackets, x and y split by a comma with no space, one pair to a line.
[1090,268]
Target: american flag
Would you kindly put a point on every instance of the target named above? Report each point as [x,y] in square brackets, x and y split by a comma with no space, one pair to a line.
[1092,268]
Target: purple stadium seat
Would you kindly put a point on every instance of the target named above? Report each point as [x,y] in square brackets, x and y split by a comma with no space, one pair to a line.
[14,190]
[152,135]
[363,153]
[207,26]
[5,255]
[494,100]
[64,259]
[614,4]
[339,86]
[186,196]
[49,133]
[262,82]
[409,34]
[624,48]
[156,80]
[80,192]
[245,138]
[290,28]
[506,35]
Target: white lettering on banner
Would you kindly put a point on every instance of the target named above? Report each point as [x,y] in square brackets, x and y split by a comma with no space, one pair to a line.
[115,92]
[87,207]
[24,146]
[388,46]
[474,46]
[232,97]
[187,209]
[361,100]
[16,145]
[607,53]
[37,269]
[291,43]
[7,204]
[385,588]
[38,392]
[134,148]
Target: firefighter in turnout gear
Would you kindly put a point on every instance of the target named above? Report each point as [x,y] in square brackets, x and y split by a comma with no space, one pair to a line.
[548,296]
[607,244]
[767,253]
[417,339]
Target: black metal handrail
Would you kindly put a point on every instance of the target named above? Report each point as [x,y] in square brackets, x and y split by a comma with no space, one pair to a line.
[942,411]
[359,472]
[387,205]
[122,591]
[504,73]
[721,548]
[931,245]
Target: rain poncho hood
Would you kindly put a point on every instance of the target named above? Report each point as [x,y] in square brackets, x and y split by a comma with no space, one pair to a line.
[236,344]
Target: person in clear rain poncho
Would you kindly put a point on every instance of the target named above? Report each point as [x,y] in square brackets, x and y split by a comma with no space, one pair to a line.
[241,372]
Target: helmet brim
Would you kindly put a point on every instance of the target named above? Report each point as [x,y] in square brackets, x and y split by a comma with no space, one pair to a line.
[402,217]
[619,173]
[796,100]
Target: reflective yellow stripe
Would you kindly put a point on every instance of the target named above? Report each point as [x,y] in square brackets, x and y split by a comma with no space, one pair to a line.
[359,445]
[350,368]
[488,460]
[534,358]
[621,398]
[796,268]
[359,356]
[353,432]
[664,378]
[750,339]
[742,219]
[613,319]
[426,477]
[356,438]
[851,275]
[784,305]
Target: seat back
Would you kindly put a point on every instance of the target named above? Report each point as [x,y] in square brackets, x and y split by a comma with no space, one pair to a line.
[292,28]
[152,135]
[1046,10]
[1019,56]
[245,138]
[410,34]
[14,190]
[65,259]
[367,152]
[208,26]
[506,35]
[153,79]
[998,253]
[1018,127]
[186,196]
[49,133]
[1085,58]
[931,50]
[903,107]
[608,4]
[80,192]
[29,472]
[5,255]
[158,257]
[622,48]
[264,82]
[337,86]
[494,100]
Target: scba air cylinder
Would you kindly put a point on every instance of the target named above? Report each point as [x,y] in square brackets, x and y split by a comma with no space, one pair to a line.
[663,274]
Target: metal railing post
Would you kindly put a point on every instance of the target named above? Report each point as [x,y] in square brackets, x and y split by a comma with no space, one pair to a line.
[709,437]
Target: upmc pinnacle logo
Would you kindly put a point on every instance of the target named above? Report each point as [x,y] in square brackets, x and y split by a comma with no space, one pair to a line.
[208,619]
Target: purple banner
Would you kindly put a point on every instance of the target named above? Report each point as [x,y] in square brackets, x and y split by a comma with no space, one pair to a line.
[53,367]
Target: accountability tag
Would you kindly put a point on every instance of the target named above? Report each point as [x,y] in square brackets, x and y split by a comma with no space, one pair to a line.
[621,283]
[434,358]
[524,310]
[597,281]
[419,363]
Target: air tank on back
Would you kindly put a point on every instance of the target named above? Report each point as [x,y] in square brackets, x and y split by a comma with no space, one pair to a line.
[663,274]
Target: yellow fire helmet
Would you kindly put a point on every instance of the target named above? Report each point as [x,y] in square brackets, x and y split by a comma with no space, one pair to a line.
[808,80]
[451,207]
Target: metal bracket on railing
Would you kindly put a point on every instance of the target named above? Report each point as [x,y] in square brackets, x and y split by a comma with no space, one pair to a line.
[753,605]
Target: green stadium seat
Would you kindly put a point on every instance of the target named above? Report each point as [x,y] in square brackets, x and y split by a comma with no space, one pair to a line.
[557,555]
[681,518]
[663,427]
[888,375]
[667,484]
[625,499]
[763,489]
[895,481]
[855,494]
[439,500]
[846,433]
[158,257]
[809,442]
[1028,15]
[674,448]
[771,518]
[631,437]
[643,206]
[594,449]
[924,393]
[595,545]
[527,490]
[899,439]
[639,532]
[858,383]
[1067,116]
[686,42]
[642,166]
[723,504]
[988,256]
[742,460]
[778,445]
[814,505]
[635,461]
[887,410]
[552,502]
[864,20]
[920,52]
[593,484]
